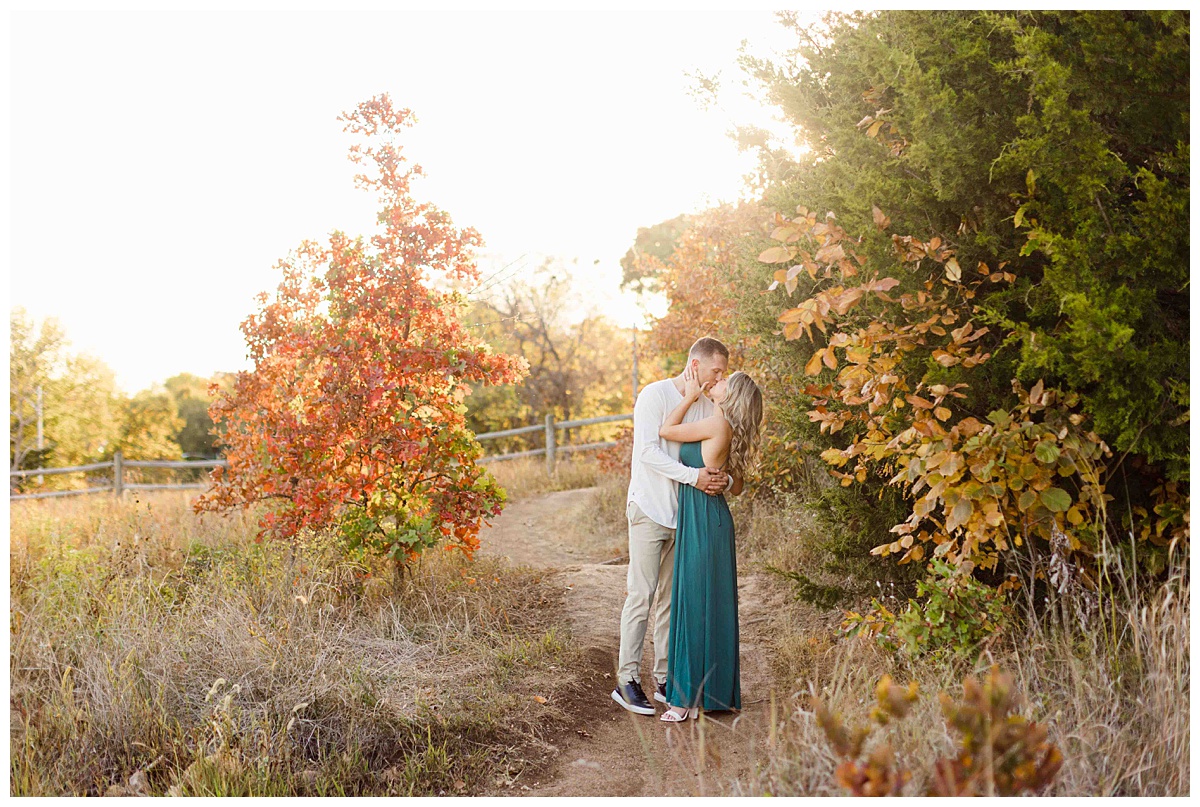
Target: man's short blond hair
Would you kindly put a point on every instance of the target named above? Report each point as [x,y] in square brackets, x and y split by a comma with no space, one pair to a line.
[706,347]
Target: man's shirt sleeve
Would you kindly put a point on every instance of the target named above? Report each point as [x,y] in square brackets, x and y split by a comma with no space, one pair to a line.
[648,416]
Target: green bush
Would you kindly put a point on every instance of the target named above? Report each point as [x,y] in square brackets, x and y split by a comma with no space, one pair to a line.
[1054,141]
[1053,145]
[956,614]
[852,519]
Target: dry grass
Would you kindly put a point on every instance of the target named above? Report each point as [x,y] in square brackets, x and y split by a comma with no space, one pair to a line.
[1116,696]
[525,477]
[608,510]
[775,532]
[156,651]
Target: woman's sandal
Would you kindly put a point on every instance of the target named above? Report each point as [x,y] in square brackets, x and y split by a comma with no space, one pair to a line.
[671,716]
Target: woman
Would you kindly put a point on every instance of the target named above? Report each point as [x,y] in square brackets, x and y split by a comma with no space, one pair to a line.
[702,666]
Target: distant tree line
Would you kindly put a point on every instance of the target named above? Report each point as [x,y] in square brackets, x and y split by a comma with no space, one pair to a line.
[85,417]
[580,363]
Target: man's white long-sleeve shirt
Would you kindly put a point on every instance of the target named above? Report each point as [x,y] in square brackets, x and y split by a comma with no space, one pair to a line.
[656,472]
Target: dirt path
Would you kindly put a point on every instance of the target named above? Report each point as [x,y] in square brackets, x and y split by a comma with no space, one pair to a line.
[612,752]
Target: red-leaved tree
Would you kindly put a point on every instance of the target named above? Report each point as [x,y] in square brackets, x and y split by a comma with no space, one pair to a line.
[352,417]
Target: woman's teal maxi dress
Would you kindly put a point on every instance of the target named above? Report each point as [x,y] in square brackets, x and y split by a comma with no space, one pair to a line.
[702,662]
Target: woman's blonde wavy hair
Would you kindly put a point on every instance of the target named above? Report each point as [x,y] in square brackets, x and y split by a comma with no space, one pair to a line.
[743,408]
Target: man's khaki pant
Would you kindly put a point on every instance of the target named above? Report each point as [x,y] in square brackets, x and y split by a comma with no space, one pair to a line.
[651,571]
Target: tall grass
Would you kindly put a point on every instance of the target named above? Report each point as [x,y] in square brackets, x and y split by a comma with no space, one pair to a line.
[156,651]
[1114,689]
[526,477]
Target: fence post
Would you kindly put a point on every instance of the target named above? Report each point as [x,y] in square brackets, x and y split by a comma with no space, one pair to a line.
[41,480]
[118,473]
[634,385]
[550,444]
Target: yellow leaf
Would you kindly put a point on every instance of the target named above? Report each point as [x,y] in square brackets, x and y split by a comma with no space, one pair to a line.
[776,255]
[953,270]
[830,253]
[846,300]
[834,457]
[539,699]
[941,413]
[881,221]
[945,359]
[873,129]
[814,363]
[858,355]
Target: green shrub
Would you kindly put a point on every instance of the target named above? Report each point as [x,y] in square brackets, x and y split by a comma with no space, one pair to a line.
[851,519]
[957,614]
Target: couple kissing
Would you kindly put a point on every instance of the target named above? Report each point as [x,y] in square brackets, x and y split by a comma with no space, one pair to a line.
[694,436]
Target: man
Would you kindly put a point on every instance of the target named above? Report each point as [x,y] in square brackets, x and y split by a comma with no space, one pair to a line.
[651,507]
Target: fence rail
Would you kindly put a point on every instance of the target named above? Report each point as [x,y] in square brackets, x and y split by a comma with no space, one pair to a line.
[118,463]
[175,463]
[510,432]
[95,466]
[552,449]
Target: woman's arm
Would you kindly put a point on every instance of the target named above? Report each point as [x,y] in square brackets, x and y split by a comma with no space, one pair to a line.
[691,432]
[675,416]
[672,427]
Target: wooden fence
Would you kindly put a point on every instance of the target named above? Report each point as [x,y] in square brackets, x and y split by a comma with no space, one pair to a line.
[118,486]
[118,463]
[552,449]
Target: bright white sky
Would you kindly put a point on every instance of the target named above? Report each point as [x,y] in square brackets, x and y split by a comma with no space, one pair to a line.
[162,163]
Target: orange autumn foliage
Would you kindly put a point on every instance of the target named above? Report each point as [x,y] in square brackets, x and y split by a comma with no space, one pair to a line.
[979,488]
[701,281]
[352,417]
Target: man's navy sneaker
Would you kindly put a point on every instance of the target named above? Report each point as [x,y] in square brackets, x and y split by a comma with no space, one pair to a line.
[632,698]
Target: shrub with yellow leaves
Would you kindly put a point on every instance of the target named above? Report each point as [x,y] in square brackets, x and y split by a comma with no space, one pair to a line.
[1000,752]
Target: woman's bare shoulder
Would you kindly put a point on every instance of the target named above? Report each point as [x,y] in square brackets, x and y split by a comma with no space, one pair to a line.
[720,429]
[716,425]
